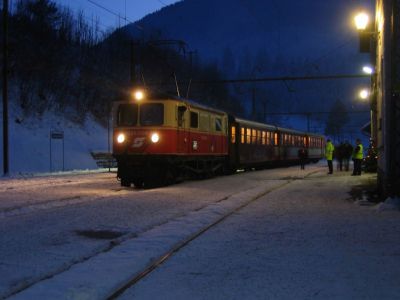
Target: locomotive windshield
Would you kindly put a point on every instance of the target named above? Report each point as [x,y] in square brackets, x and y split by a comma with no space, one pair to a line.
[127,114]
[151,114]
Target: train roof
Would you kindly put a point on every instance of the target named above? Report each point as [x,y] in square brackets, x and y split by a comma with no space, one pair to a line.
[273,127]
[188,102]
[255,124]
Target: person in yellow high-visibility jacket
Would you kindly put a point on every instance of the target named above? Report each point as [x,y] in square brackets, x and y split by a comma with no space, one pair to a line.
[358,156]
[329,148]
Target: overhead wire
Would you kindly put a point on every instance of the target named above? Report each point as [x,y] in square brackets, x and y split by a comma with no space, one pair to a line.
[115,14]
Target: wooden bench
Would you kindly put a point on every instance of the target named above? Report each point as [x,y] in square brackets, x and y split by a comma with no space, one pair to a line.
[104,159]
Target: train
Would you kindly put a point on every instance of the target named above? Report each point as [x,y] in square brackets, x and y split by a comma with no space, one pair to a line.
[164,139]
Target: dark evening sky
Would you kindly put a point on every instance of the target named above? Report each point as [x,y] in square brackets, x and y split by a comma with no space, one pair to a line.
[132,9]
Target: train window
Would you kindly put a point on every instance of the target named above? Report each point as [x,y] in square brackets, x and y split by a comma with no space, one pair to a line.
[253,136]
[258,137]
[248,136]
[242,133]
[151,114]
[204,122]
[194,119]
[127,114]
[233,136]
[218,124]
[181,113]
[276,140]
[264,138]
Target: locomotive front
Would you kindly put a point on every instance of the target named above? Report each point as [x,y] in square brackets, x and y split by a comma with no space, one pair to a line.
[144,139]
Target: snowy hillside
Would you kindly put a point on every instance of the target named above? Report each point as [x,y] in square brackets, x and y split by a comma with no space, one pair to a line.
[29,143]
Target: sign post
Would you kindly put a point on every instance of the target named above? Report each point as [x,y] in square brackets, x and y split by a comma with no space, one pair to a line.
[56,135]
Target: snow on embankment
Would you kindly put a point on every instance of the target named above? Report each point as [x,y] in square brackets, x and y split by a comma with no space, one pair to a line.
[389,204]
[29,143]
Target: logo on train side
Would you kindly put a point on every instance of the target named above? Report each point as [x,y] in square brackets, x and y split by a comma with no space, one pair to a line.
[138,142]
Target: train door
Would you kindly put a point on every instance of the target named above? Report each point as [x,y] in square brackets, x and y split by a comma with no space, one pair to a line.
[182,139]
[234,140]
[220,133]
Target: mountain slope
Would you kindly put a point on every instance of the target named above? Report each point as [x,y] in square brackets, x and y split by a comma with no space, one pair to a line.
[284,28]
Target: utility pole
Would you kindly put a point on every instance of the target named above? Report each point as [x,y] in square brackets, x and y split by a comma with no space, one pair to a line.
[135,66]
[253,102]
[5,85]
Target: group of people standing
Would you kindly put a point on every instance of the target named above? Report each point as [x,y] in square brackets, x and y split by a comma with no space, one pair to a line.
[343,152]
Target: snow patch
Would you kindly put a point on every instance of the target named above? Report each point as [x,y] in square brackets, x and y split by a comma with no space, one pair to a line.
[32,151]
[390,204]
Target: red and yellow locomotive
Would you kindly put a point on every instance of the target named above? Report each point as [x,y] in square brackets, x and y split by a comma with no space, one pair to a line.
[158,141]
[162,140]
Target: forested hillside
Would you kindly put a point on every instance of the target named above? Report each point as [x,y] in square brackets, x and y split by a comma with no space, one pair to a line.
[58,62]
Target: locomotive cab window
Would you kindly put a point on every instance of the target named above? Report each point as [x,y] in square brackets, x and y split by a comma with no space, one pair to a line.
[181,114]
[218,124]
[127,114]
[151,114]
[194,119]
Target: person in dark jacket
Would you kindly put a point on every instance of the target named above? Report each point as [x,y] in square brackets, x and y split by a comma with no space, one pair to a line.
[303,155]
[347,153]
[339,156]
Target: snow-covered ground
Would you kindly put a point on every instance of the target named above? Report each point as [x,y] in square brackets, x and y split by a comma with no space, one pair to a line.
[307,240]
[289,234]
[29,143]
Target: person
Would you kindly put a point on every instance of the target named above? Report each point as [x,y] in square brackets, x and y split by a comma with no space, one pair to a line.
[339,156]
[329,148]
[303,155]
[347,153]
[357,157]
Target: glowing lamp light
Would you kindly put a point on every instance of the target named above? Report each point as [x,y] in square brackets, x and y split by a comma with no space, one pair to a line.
[368,70]
[364,94]
[121,138]
[138,95]
[155,138]
[361,20]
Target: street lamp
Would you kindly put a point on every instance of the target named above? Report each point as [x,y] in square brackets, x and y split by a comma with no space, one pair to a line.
[368,70]
[364,94]
[361,20]
[364,28]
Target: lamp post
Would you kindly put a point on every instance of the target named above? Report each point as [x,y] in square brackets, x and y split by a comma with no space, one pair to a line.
[363,26]
[366,38]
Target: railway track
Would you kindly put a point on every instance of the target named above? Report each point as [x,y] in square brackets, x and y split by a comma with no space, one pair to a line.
[164,257]
[167,255]
[160,241]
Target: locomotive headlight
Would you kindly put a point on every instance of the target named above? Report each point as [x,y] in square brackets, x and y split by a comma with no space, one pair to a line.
[121,138]
[155,137]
